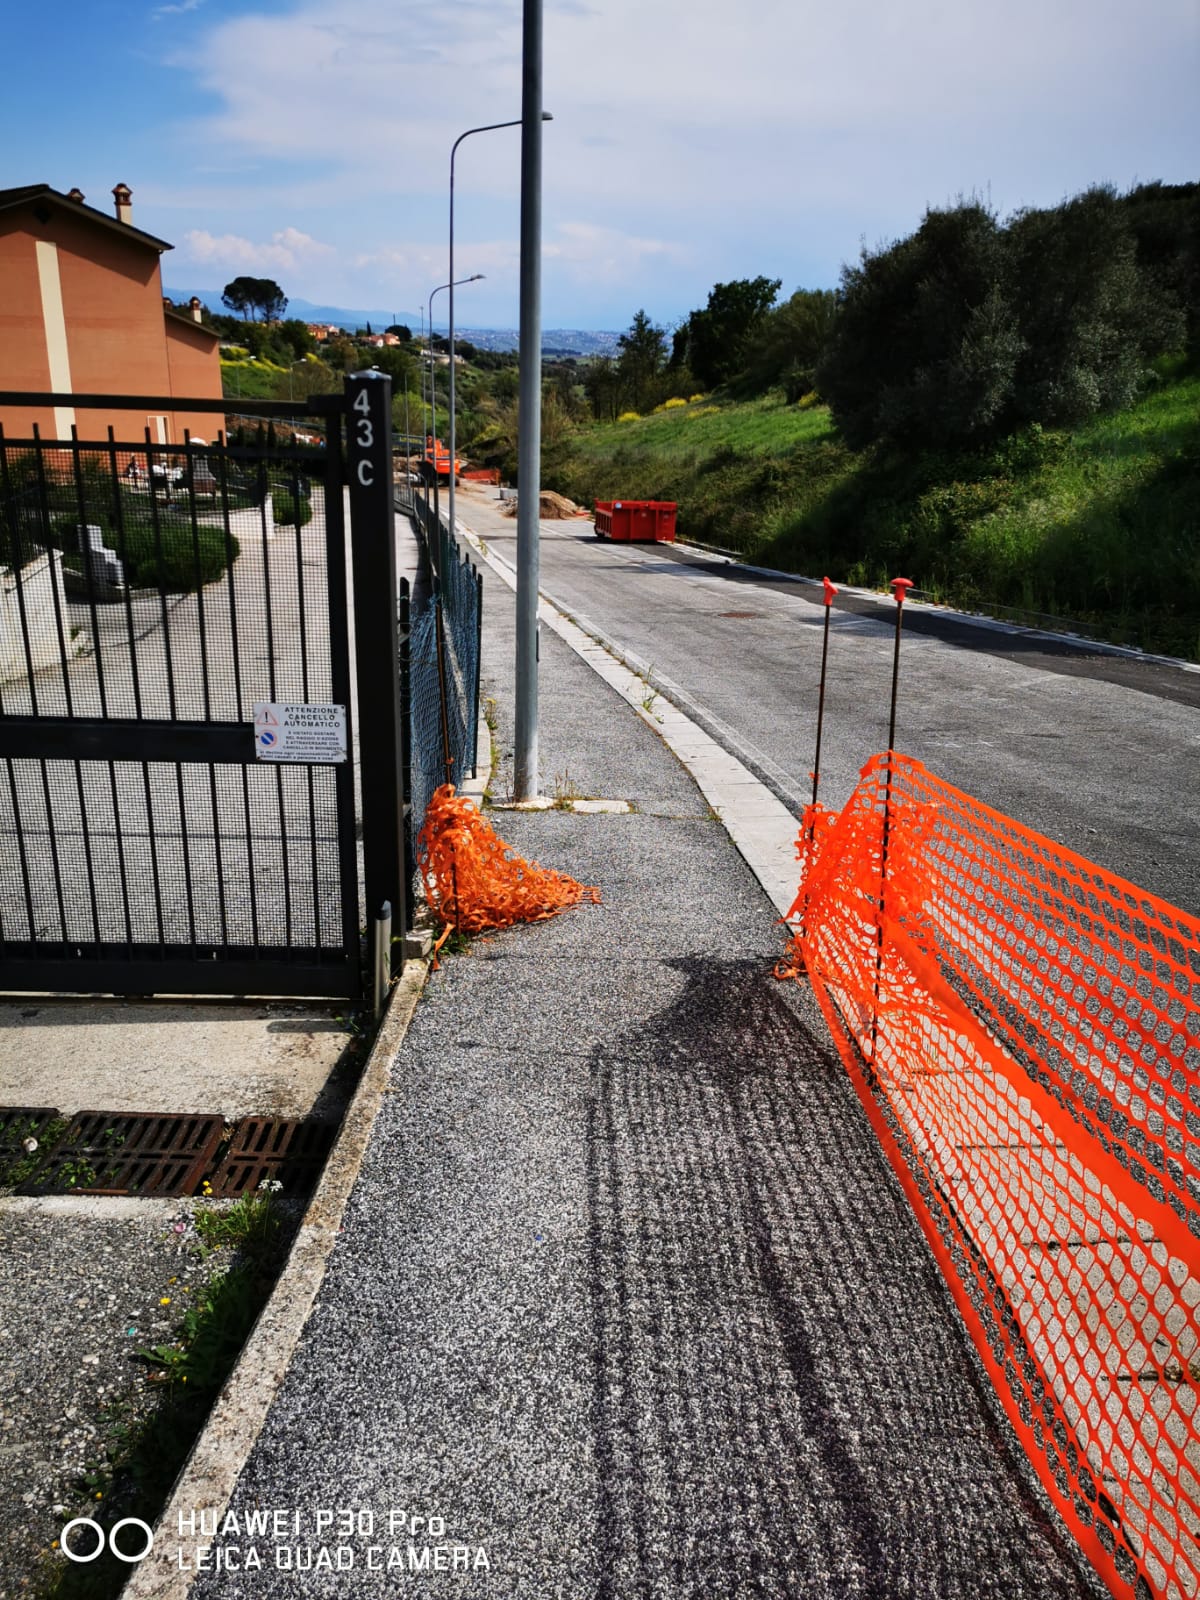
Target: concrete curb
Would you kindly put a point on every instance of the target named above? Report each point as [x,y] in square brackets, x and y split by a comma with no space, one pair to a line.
[211,1471]
[1082,642]
[473,789]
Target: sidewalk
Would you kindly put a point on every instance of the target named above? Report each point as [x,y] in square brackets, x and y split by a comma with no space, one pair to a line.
[627,1302]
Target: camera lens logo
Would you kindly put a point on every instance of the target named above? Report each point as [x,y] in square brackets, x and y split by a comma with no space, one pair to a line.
[97,1533]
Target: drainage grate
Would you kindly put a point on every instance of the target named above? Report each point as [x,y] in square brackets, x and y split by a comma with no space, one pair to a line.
[39,1126]
[18,1123]
[128,1153]
[291,1153]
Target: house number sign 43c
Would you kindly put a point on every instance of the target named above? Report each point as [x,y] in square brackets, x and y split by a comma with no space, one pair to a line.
[364,430]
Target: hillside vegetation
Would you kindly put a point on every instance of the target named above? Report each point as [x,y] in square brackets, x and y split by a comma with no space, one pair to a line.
[1097,524]
[1003,410]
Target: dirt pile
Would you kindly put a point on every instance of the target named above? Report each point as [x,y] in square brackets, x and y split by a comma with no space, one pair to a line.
[554,507]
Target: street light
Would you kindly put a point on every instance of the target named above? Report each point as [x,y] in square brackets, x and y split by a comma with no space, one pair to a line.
[488,127]
[474,278]
[292,374]
[452,285]
[237,373]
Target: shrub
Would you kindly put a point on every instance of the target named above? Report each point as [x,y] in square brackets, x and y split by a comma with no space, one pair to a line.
[968,330]
[292,509]
[168,553]
[629,416]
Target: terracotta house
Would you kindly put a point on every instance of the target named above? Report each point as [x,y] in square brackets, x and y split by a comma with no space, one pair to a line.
[82,311]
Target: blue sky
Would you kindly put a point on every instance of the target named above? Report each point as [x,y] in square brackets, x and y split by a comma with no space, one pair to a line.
[309,140]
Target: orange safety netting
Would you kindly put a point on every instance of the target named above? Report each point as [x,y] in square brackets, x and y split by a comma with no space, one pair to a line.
[1023,1029]
[472,878]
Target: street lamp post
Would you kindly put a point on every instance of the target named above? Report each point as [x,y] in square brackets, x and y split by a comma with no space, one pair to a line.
[487,127]
[529,402]
[292,376]
[451,285]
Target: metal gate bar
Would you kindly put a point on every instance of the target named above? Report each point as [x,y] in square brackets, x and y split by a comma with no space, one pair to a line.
[143,847]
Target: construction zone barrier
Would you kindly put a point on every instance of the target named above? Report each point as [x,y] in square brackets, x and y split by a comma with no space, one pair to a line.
[474,881]
[1023,1029]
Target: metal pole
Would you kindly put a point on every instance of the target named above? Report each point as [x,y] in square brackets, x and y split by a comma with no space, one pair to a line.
[900,587]
[382,953]
[488,127]
[474,278]
[368,407]
[830,591]
[433,390]
[529,446]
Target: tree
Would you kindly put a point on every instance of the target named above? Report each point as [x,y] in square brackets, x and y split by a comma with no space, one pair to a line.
[602,385]
[401,332]
[716,337]
[783,350]
[295,335]
[643,353]
[1165,219]
[399,365]
[925,343]
[967,330]
[1090,315]
[261,295]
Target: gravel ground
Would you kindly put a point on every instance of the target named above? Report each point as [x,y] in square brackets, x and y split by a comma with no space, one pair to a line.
[81,1285]
[627,1297]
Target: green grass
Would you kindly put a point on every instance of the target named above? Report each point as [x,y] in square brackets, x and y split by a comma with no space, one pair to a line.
[251,380]
[1098,526]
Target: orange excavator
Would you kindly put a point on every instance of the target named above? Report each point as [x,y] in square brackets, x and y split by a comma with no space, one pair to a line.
[435,460]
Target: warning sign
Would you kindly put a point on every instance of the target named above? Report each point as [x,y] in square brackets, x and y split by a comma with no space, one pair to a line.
[293,732]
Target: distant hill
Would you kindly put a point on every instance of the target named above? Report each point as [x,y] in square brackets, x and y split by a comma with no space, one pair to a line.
[557,341]
[309,311]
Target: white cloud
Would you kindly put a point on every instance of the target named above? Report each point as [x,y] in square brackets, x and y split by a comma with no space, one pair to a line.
[591,250]
[287,250]
[175,10]
[691,142]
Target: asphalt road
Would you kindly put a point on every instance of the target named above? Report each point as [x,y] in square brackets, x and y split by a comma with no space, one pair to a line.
[1099,752]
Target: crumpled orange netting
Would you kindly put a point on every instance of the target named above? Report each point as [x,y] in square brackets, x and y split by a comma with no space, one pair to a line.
[1023,1030]
[474,881]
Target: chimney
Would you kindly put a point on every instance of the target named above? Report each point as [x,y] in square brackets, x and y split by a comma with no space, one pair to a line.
[123,195]
[195,307]
[76,195]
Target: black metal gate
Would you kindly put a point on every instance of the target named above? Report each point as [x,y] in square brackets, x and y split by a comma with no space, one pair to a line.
[175,684]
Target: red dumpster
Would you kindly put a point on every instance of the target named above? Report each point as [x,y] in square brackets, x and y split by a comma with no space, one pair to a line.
[636,520]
